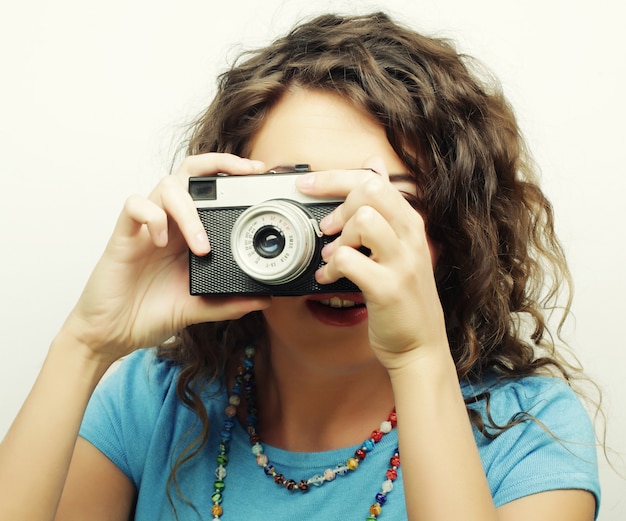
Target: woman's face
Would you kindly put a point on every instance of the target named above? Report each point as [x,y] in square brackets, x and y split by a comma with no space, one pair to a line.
[328,133]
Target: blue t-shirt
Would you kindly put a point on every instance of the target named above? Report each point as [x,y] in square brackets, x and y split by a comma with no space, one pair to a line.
[136,420]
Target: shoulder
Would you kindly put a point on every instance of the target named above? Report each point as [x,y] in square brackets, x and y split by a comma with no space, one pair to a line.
[136,410]
[539,437]
[544,398]
[127,403]
[141,380]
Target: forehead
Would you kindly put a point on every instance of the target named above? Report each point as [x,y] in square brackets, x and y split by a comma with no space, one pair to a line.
[323,130]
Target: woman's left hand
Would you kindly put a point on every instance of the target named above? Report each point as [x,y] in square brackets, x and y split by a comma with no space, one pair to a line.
[405,317]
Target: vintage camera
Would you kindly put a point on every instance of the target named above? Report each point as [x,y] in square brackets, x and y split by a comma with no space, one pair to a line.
[264,234]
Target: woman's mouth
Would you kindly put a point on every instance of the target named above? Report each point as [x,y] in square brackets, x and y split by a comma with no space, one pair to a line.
[338,310]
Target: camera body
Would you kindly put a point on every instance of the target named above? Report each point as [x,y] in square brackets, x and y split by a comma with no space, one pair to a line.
[264,234]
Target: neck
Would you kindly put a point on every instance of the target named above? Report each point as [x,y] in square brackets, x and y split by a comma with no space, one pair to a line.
[306,405]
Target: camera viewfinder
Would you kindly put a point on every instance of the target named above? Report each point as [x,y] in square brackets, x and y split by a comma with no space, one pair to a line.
[203,189]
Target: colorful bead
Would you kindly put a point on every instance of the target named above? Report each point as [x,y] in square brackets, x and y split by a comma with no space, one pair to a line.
[222,460]
[257,449]
[317,480]
[341,470]
[385,427]
[261,460]
[217,510]
[375,509]
[392,474]
[387,486]
[329,475]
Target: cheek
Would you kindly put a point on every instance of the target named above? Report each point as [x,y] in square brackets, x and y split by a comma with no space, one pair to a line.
[435,248]
[283,309]
[272,313]
[435,251]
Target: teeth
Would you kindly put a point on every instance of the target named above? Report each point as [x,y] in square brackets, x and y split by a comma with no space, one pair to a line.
[336,302]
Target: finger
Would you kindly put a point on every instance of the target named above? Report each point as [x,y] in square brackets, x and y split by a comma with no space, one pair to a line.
[368,228]
[376,192]
[332,183]
[212,309]
[340,182]
[213,163]
[353,265]
[172,192]
[178,204]
[139,212]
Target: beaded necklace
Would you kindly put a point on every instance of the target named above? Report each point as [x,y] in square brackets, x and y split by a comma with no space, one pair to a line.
[244,384]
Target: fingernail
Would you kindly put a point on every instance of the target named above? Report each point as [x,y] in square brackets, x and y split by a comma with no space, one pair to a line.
[202,242]
[326,222]
[305,181]
[327,250]
[162,238]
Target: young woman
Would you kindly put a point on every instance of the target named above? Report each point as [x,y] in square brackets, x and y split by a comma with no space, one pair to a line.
[434,393]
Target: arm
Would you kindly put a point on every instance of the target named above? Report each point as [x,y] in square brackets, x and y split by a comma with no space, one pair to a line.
[36,452]
[442,470]
[558,505]
[137,296]
[95,488]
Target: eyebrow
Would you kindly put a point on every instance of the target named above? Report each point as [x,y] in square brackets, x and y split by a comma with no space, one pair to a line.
[402,176]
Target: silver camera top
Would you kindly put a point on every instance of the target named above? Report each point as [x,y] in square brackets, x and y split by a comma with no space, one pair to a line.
[247,190]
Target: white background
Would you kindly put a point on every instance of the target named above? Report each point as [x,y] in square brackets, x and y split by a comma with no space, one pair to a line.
[93,97]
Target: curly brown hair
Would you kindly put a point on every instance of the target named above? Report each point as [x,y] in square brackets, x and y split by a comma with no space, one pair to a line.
[501,266]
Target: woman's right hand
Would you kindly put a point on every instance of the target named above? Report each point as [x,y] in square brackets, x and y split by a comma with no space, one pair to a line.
[138,294]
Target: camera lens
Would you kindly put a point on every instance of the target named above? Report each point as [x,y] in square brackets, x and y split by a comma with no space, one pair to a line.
[268,242]
[275,242]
